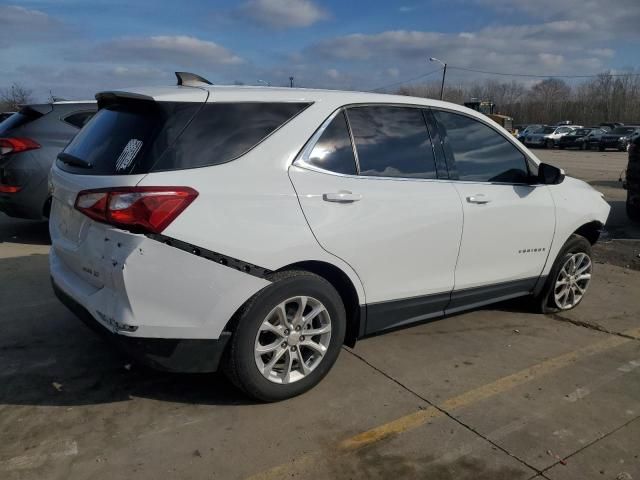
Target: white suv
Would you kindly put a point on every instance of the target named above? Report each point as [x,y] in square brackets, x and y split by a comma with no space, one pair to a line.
[263,228]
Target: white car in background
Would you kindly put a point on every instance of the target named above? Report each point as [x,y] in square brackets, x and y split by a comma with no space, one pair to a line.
[548,136]
[260,229]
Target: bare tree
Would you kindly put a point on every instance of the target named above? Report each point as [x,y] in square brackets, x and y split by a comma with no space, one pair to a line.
[11,98]
[605,97]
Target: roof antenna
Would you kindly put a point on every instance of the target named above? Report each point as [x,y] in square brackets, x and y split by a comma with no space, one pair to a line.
[189,79]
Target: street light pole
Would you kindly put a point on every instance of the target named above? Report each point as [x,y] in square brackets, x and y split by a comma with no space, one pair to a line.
[444,74]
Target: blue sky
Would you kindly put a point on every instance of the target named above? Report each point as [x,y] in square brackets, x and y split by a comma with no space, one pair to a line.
[76,48]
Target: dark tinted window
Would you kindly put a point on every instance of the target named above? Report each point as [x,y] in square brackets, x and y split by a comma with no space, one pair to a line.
[392,142]
[24,116]
[622,131]
[333,150]
[78,119]
[481,154]
[140,136]
[221,132]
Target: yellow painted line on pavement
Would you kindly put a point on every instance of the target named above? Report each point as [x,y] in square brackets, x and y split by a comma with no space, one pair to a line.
[421,417]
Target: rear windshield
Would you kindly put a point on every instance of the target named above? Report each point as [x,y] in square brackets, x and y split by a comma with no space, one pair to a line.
[24,116]
[140,137]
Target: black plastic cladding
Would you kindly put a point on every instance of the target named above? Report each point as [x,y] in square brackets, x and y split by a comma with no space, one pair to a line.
[244,267]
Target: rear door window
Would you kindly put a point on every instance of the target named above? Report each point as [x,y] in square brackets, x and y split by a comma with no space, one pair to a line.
[392,142]
[333,151]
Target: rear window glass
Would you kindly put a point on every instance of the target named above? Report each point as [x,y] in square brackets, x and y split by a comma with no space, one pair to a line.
[222,132]
[19,119]
[142,136]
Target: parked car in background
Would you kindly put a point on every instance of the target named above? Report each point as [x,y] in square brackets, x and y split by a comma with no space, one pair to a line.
[548,136]
[522,134]
[579,138]
[619,138]
[611,125]
[5,115]
[30,140]
[632,180]
[249,227]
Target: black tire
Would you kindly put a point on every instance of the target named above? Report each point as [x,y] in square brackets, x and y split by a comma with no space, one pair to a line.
[549,144]
[561,147]
[240,363]
[601,149]
[544,302]
[583,146]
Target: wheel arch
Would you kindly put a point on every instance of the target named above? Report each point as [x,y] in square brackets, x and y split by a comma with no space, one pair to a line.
[345,288]
[590,230]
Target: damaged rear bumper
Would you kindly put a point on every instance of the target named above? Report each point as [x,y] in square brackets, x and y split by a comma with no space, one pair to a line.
[173,355]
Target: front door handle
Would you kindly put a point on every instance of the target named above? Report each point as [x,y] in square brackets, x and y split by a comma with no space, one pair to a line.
[341,197]
[479,198]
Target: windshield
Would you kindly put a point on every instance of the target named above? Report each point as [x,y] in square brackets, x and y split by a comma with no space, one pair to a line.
[622,131]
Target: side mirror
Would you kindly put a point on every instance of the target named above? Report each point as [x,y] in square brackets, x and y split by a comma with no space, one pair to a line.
[550,175]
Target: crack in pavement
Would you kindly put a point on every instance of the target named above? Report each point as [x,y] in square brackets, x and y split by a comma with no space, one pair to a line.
[593,442]
[449,415]
[591,326]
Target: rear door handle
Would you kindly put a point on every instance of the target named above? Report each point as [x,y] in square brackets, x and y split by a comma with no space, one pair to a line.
[479,198]
[341,197]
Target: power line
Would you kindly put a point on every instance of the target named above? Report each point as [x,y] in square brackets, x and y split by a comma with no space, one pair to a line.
[407,81]
[540,76]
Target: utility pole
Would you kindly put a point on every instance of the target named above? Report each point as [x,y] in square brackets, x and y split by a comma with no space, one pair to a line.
[291,82]
[444,74]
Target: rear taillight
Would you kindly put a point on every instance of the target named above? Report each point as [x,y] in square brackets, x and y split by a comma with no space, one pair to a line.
[138,209]
[9,188]
[17,145]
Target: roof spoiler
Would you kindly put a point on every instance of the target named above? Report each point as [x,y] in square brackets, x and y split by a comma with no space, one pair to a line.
[188,79]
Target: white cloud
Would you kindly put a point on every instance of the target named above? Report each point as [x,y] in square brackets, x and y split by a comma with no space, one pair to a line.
[163,50]
[333,73]
[21,25]
[284,13]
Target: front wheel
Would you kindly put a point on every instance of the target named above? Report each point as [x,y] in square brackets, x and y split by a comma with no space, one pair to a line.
[569,278]
[549,144]
[287,338]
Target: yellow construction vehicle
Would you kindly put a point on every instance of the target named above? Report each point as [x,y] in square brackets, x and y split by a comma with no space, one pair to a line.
[488,108]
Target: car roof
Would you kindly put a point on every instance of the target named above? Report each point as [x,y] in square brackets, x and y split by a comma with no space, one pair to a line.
[231,93]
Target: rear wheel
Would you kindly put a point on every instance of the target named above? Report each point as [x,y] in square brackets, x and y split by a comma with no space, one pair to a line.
[569,278]
[549,144]
[287,338]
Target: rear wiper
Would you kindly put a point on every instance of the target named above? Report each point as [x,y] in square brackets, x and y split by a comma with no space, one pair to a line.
[73,160]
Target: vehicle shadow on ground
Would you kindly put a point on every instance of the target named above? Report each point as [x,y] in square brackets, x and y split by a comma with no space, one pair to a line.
[619,225]
[27,232]
[50,358]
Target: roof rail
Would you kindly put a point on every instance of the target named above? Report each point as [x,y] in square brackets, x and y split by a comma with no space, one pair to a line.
[191,79]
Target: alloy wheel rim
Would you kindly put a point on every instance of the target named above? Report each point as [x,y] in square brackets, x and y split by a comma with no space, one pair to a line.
[292,340]
[572,281]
